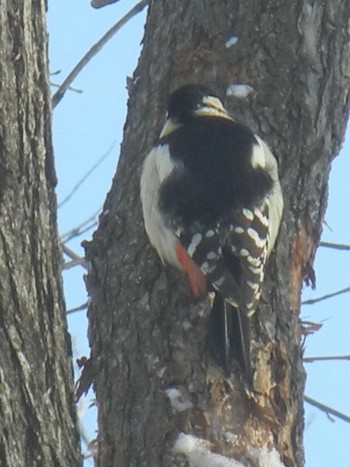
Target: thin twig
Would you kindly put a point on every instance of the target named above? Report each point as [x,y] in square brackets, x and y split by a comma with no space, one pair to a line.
[78,91]
[77,308]
[87,175]
[77,230]
[331,357]
[311,301]
[335,246]
[56,98]
[79,233]
[327,410]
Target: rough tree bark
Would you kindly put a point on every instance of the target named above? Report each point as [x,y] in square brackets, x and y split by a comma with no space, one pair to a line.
[37,414]
[155,378]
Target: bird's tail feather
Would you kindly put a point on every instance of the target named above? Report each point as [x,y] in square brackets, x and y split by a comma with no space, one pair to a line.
[230,336]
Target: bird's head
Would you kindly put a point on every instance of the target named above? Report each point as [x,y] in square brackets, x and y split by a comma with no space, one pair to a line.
[189,102]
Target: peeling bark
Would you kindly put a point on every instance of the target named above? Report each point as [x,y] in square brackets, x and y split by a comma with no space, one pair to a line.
[147,336]
[37,413]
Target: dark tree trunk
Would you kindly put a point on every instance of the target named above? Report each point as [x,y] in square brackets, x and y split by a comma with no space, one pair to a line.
[37,413]
[147,336]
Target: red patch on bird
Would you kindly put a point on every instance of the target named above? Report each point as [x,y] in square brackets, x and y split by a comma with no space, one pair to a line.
[197,280]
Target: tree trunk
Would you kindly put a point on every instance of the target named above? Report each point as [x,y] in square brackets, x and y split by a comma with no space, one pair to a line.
[156,382]
[38,419]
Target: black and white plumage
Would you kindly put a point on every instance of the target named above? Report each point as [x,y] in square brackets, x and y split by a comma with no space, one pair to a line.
[212,205]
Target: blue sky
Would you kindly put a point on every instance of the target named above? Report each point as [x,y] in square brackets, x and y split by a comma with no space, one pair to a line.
[86,125]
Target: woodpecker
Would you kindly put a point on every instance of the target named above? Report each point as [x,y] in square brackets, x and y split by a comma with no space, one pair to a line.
[212,205]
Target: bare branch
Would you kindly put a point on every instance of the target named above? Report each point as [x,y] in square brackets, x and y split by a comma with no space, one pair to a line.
[332,357]
[102,3]
[311,301]
[335,246]
[56,98]
[309,327]
[87,174]
[327,410]
[72,264]
[76,259]
[77,308]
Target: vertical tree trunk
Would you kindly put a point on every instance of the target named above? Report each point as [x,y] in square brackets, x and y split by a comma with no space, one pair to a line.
[38,420]
[155,380]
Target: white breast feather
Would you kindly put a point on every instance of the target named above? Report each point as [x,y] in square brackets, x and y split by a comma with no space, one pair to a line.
[156,168]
